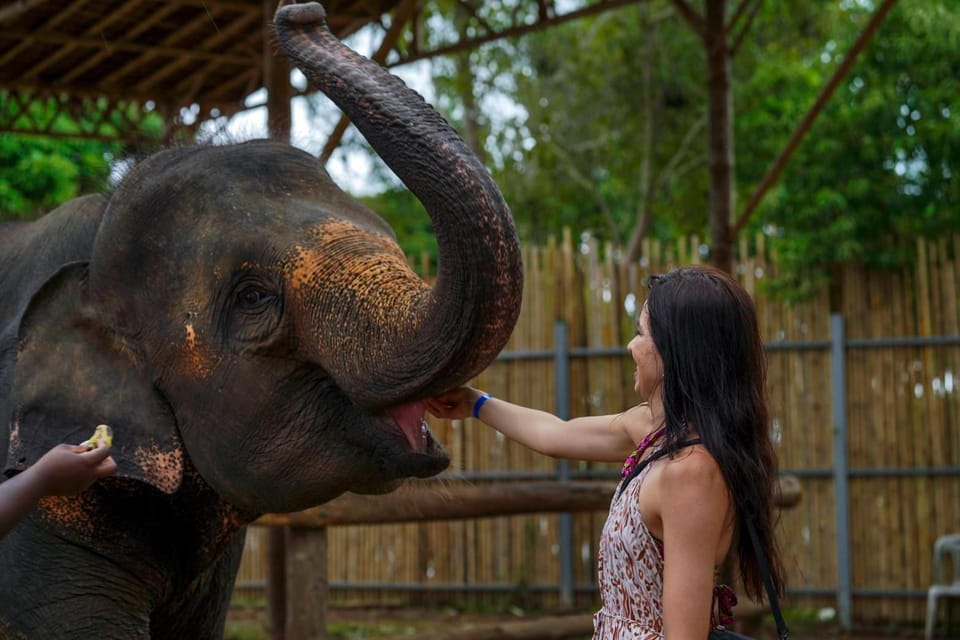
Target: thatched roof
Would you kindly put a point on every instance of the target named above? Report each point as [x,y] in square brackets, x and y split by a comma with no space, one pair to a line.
[126,57]
[97,68]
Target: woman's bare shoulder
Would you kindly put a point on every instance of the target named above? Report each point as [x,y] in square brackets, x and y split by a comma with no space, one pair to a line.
[695,504]
[693,466]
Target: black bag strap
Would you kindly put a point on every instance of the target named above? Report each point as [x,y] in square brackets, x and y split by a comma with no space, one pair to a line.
[783,633]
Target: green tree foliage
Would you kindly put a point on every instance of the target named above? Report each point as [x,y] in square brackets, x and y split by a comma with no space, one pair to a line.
[878,168]
[38,173]
[571,124]
[566,140]
[610,118]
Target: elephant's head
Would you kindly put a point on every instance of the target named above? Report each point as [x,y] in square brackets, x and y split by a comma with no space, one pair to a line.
[242,314]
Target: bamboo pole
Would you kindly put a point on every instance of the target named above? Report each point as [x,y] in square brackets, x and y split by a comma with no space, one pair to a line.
[923,542]
[886,402]
[901,392]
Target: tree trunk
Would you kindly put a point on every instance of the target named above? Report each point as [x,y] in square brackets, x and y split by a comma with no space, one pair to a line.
[472,129]
[720,135]
[643,217]
[276,77]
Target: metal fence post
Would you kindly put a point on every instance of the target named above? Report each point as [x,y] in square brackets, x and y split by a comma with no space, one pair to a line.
[561,363]
[841,466]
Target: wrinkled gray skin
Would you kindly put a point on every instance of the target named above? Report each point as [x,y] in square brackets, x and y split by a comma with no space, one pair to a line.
[256,341]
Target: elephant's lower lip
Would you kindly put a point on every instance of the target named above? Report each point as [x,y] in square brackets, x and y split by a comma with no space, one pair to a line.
[404,467]
[422,465]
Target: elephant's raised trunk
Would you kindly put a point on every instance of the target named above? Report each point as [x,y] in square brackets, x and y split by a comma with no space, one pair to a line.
[465,320]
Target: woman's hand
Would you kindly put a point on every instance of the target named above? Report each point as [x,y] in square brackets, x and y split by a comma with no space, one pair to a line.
[454,404]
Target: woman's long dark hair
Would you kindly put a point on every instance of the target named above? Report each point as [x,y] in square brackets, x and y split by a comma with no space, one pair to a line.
[714,377]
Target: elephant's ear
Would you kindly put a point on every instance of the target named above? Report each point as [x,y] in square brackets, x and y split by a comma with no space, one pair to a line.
[72,373]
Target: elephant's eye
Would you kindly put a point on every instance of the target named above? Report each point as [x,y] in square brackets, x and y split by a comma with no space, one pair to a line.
[251,314]
[252,298]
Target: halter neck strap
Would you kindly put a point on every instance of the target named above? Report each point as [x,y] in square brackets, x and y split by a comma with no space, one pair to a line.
[650,439]
[660,453]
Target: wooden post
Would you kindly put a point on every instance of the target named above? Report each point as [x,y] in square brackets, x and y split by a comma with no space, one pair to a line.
[307,584]
[277,583]
[719,133]
[276,79]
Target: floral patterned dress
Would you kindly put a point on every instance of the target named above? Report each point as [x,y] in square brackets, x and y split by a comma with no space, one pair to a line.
[631,570]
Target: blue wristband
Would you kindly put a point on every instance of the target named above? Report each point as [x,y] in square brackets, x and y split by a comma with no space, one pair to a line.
[479,403]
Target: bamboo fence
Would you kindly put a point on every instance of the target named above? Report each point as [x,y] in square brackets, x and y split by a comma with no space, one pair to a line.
[902,411]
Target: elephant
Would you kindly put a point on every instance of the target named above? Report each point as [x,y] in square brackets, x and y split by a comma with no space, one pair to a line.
[254,337]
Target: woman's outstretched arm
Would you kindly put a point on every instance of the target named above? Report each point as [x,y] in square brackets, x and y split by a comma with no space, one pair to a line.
[608,438]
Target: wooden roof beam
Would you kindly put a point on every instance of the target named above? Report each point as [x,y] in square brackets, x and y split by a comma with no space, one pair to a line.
[124,45]
[54,20]
[132,65]
[98,27]
[222,34]
[16,8]
[134,33]
[231,5]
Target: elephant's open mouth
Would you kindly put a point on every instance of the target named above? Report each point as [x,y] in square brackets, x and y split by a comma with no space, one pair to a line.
[409,418]
[419,455]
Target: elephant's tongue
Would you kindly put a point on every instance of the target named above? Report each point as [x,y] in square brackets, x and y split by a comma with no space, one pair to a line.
[409,417]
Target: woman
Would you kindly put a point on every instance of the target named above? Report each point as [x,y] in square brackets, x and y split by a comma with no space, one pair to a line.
[698,445]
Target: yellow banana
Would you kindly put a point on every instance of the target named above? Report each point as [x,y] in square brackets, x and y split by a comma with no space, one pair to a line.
[102,434]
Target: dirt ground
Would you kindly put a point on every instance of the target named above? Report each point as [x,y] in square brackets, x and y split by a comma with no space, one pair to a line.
[361,623]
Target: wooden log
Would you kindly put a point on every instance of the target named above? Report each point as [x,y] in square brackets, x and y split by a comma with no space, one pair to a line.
[545,628]
[477,501]
[789,492]
[451,503]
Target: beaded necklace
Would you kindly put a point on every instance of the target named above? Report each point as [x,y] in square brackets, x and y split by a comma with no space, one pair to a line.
[646,443]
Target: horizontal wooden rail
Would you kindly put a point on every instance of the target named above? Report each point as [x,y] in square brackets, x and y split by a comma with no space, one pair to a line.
[452,502]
